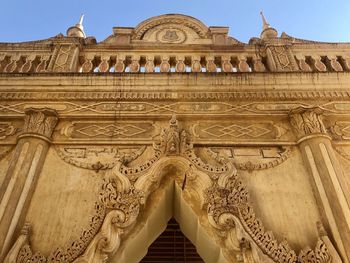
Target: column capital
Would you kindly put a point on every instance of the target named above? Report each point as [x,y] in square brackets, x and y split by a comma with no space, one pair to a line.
[307,121]
[39,122]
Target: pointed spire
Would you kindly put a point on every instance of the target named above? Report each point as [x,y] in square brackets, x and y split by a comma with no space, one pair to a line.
[80,23]
[78,29]
[266,25]
[81,20]
[268,32]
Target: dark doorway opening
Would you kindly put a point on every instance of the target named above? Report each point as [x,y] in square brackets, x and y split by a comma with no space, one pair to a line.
[172,246]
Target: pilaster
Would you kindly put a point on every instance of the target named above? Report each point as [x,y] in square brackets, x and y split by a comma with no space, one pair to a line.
[23,172]
[279,57]
[327,176]
[65,56]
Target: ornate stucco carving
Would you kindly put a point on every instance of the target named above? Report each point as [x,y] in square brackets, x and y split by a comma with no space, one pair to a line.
[283,155]
[192,23]
[227,200]
[40,121]
[307,121]
[156,107]
[98,157]
[7,129]
[281,57]
[111,118]
[224,196]
[22,252]
[105,130]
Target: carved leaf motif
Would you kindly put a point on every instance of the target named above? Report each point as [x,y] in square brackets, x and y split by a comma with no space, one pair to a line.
[230,199]
[26,256]
[41,121]
[307,121]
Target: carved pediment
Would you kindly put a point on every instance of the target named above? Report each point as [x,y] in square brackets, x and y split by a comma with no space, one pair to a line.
[171,29]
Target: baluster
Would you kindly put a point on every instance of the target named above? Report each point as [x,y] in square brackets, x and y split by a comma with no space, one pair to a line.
[258,66]
[180,64]
[318,64]
[119,65]
[211,66]
[303,66]
[165,65]
[336,66]
[226,64]
[243,65]
[196,64]
[346,63]
[42,66]
[104,64]
[88,66]
[149,66]
[27,66]
[2,58]
[135,64]
[12,65]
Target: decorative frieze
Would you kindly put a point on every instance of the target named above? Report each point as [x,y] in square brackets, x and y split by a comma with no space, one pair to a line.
[107,130]
[238,130]
[98,157]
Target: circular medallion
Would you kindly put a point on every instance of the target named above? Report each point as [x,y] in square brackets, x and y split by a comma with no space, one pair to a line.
[171,36]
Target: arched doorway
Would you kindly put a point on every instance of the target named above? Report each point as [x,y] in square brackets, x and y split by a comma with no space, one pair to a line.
[172,246]
[170,202]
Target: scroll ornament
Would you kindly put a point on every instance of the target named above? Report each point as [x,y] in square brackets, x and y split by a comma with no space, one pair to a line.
[225,198]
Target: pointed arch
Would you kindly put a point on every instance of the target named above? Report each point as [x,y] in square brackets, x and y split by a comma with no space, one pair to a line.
[170,202]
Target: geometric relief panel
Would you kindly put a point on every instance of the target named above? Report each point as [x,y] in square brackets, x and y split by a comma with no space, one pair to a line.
[106,130]
[110,108]
[239,130]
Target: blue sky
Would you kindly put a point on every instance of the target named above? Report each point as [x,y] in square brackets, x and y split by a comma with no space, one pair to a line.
[323,20]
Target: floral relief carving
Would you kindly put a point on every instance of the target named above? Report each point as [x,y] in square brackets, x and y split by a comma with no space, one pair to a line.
[123,195]
[341,130]
[22,251]
[228,199]
[250,166]
[97,157]
[40,121]
[307,121]
[7,129]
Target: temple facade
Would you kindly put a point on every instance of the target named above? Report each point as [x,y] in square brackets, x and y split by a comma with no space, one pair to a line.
[245,145]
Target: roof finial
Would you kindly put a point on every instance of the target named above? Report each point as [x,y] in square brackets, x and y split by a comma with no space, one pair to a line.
[80,23]
[268,32]
[78,29]
[265,23]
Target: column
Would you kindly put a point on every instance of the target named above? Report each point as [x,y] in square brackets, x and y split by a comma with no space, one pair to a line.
[327,177]
[22,174]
